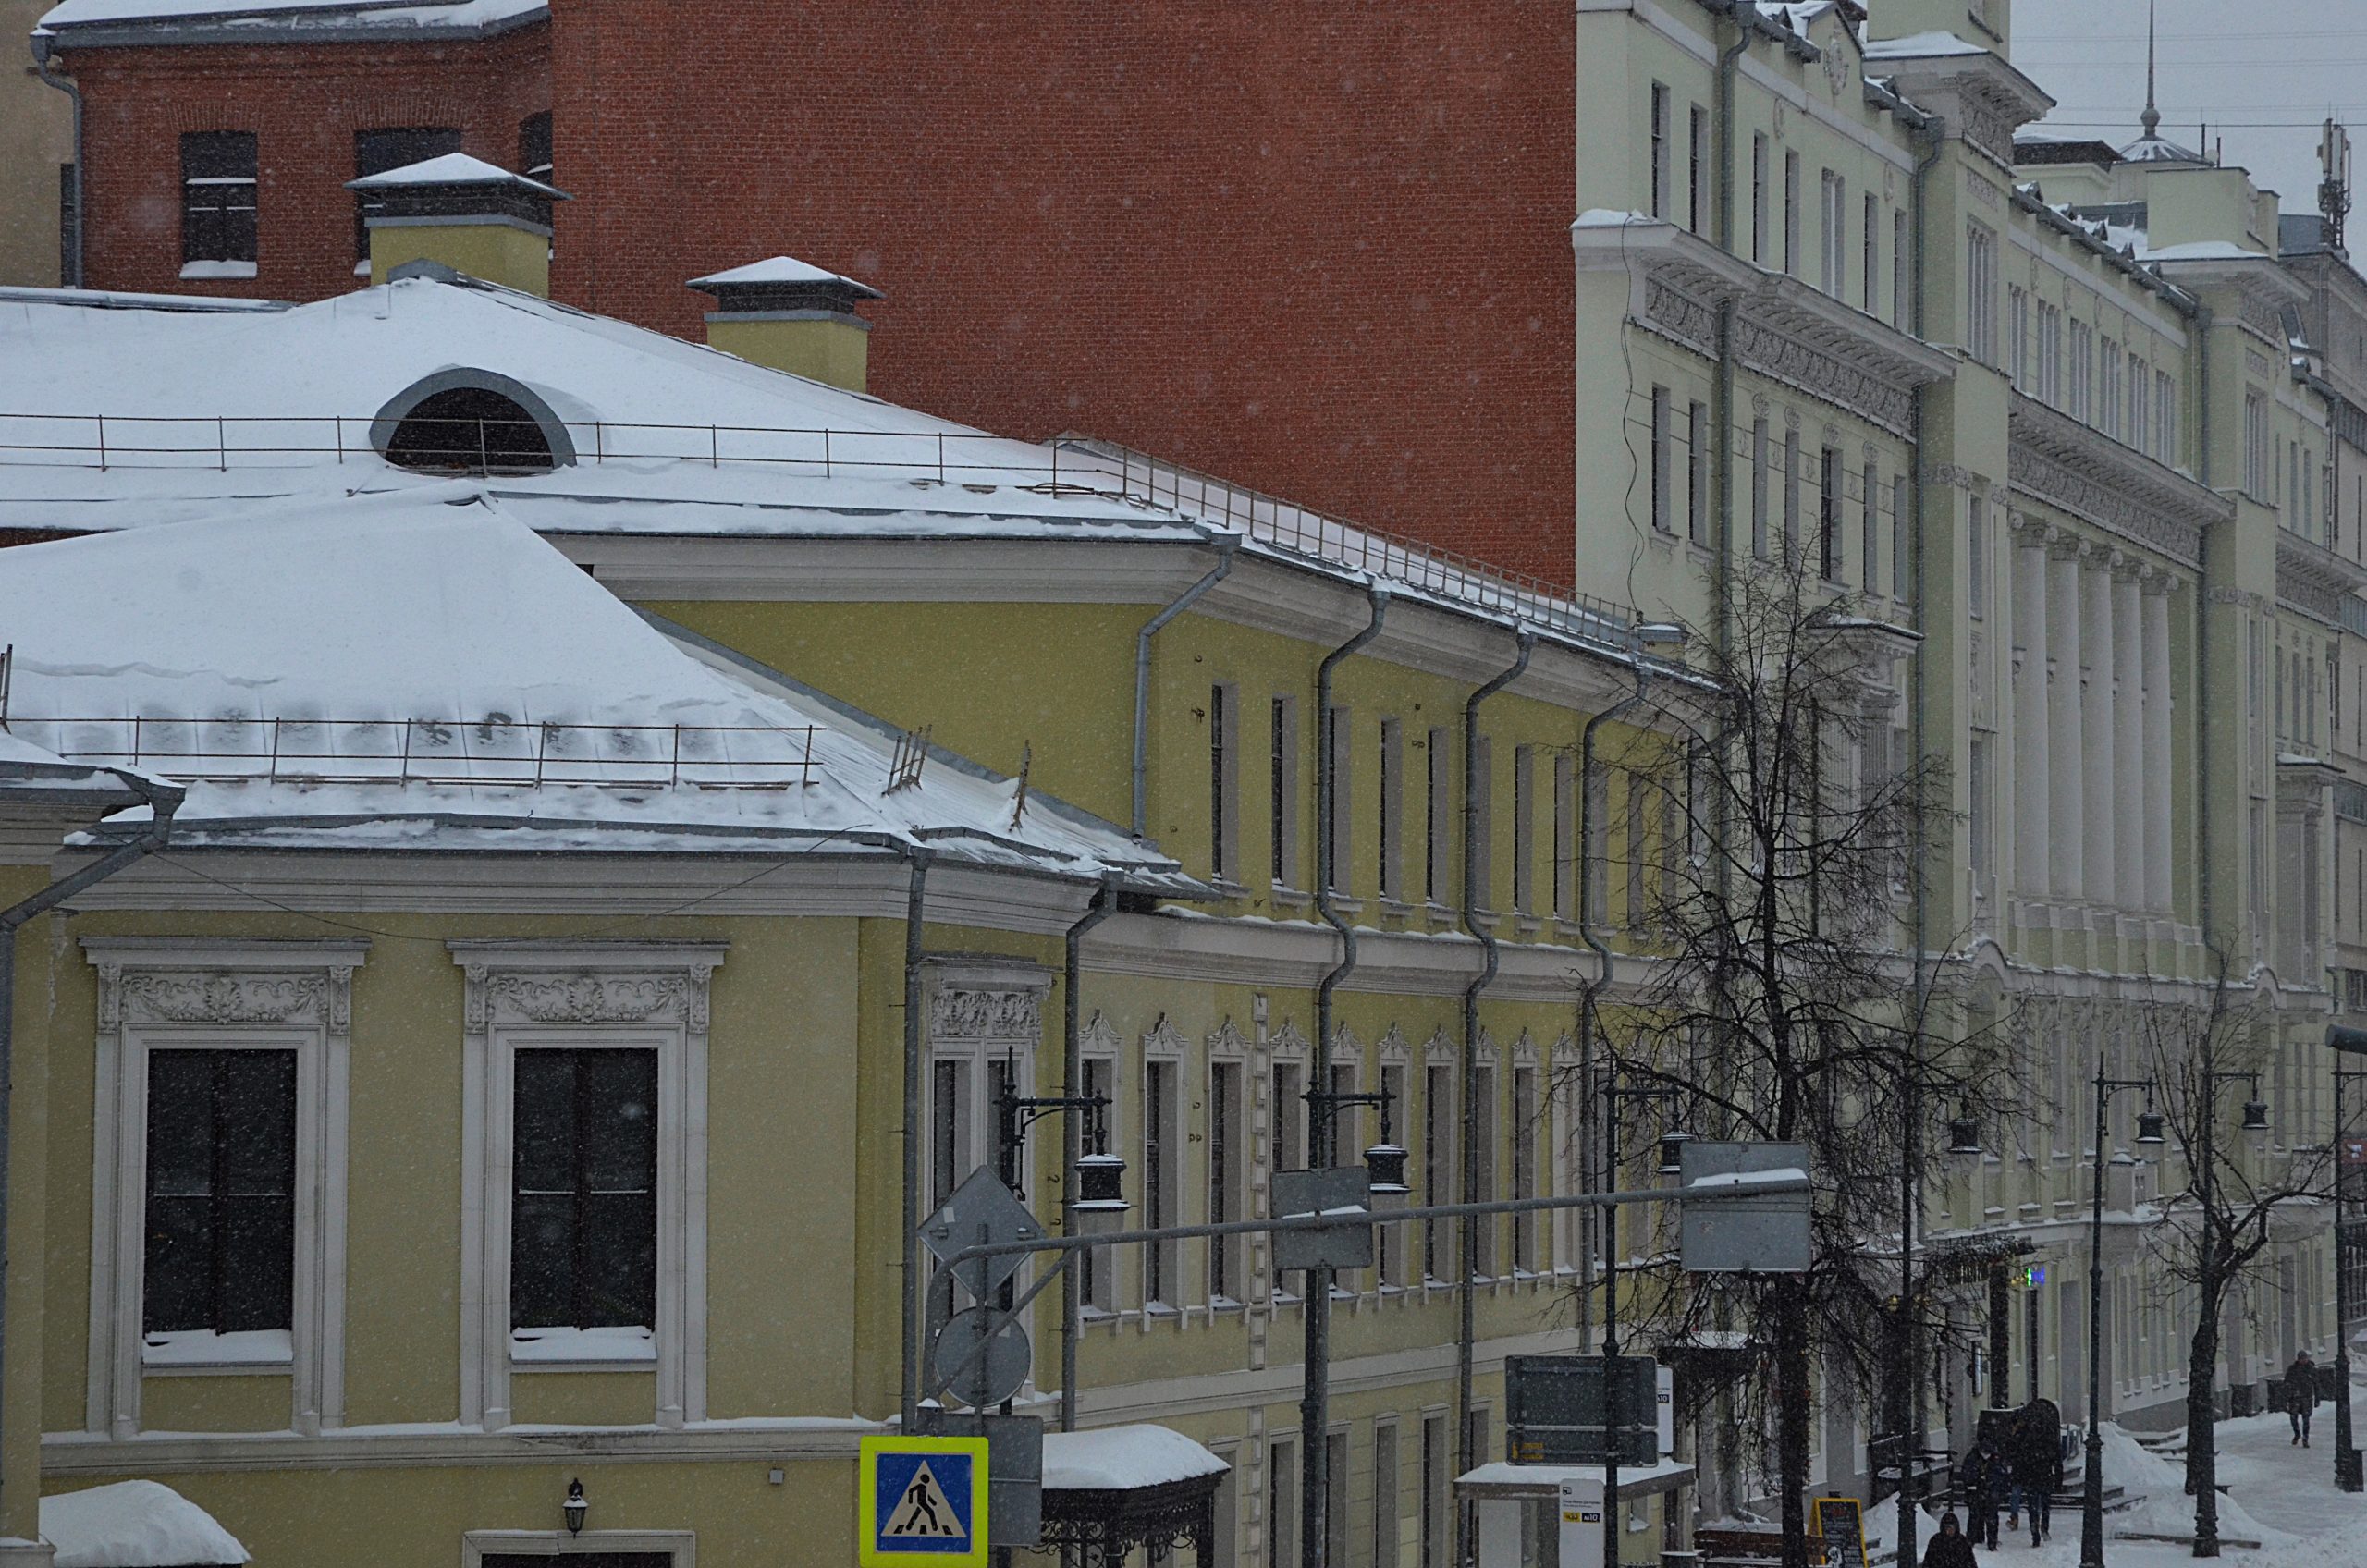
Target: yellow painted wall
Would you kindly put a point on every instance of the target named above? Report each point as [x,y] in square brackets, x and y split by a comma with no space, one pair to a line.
[498,252]
[837,352]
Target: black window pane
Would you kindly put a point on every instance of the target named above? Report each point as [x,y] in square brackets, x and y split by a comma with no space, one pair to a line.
[180,1123]
[618,1281]
[583,1216]
[618,1101]
[257,1262]
[542,1260]
[178,1288]
[376,151]
[221,1214]
[255,1108]
[218,170]
[534,146]
[544,1155]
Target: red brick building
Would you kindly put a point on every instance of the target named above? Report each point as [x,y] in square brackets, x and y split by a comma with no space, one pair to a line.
[1322,249]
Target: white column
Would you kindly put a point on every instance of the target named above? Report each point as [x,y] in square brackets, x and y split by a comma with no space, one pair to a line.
[2096,725]
[2064,798]
[2128,740]
[2157,744]
[2031,783]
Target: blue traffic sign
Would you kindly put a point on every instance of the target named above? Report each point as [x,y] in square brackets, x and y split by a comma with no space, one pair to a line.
[923,1502]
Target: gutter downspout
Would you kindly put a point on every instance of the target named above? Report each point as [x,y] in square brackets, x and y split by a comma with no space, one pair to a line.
[1314,1404]
[908,1246]
[42,44]
[162,799]
[1105,904]
[1226,544]
[1910,1197]
[1466,1328]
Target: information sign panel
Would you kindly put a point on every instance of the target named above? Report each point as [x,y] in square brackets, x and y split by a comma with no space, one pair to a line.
[923,1504]
[1841,1524]
[1557,1409]
[1726,1228]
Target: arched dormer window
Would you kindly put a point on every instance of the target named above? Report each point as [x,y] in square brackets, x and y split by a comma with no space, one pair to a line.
[470,422]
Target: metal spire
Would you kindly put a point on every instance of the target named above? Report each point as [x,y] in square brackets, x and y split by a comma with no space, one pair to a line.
[2152,117]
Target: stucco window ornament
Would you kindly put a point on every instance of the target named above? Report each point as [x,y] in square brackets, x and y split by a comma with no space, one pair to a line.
[1165,1040]
[219,997]
[1228,1042]
[1440,1047]
[1394,1045]
[592,999]
[962,1015]
[1288,1041]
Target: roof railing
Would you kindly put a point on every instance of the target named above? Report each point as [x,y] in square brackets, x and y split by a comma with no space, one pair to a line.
[1068,465]
[495,751]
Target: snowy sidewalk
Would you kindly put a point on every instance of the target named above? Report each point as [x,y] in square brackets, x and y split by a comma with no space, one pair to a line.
[2282,1496]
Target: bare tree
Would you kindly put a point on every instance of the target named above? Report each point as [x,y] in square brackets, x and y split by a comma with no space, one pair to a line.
[1785,1005]
[2219,1230]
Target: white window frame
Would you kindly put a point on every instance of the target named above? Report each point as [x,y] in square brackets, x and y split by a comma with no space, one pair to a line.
[1100,1041]
[534,995]
[478,1545]
[170,993]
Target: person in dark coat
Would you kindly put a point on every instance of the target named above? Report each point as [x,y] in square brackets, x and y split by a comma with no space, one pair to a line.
[2036,1458]
[1951,1547]
[2301,1395]
[1985,1477]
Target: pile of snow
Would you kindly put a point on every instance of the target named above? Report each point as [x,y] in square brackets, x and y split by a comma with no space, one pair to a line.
[2135,1468]
[135,1525]
[1123,1459]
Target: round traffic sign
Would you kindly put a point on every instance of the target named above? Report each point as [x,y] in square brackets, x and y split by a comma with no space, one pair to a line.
[995,1373]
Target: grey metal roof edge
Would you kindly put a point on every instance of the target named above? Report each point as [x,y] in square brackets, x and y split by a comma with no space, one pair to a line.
[249,27]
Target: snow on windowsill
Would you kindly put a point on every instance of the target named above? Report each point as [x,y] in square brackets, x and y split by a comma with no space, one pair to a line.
[204,1347]
[217,269]
[542,1347]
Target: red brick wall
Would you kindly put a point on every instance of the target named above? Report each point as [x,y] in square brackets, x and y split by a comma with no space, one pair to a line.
[304,102]
[1320,249]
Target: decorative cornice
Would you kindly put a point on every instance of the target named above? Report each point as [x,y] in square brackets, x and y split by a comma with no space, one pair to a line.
[586,983]
[2315,580]
[2057,461]
[172,980]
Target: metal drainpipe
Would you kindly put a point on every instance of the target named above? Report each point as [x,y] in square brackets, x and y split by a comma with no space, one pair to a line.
[162,799]
[1466,1328]
[915,950]
[1226,544]
[1105,904]
[1911,1153]
[1315,1400]
[42,43]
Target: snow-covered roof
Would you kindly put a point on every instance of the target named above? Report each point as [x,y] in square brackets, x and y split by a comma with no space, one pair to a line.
[1112,1459]
[419,670]
[263,17]
[783,270]
[1922,46]
[135,1525]
[451,168]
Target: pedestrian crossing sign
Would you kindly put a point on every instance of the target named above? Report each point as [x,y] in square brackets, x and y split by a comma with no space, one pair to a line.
[923,1502]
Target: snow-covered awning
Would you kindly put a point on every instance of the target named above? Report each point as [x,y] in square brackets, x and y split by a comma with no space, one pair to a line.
[1110,1491]
[1502,1479]
[136,1524]
[1123,1459]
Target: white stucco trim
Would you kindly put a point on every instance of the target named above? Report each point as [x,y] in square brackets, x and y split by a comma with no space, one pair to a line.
[162,993]
[598,996]
[478,1545]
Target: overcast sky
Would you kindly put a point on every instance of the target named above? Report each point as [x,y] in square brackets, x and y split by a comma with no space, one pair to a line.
[2263,74]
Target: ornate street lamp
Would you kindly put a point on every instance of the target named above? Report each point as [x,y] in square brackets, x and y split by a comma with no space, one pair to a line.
[574,1509]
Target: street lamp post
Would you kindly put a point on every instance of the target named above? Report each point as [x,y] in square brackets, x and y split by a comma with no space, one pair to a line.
[2347,1467]
[1612,1093]
[2149,1132]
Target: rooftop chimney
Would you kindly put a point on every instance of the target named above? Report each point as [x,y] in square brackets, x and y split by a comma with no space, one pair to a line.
[787,315]
[464,212]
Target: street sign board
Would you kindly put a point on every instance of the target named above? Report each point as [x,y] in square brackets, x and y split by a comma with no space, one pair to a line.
[922,1503]
[981,1211]
[1581,1508]
[1015,1469]
[1841,1524]
[994,1374]
[1727,1228]
[2343,1037]
[1557,1409]
[1344,1191]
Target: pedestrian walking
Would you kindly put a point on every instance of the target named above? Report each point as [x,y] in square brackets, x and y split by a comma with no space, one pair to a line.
[1951,1547]
[2301,1395]
[2037,1460]
[1984,1477]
